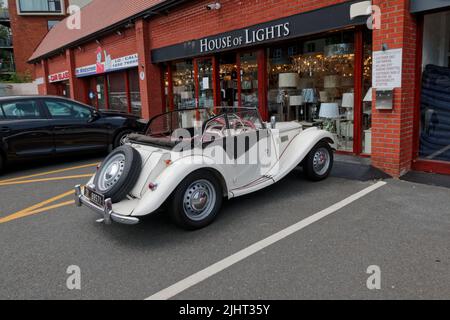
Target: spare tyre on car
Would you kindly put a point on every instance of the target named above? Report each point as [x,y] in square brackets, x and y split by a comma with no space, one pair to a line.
[118,174]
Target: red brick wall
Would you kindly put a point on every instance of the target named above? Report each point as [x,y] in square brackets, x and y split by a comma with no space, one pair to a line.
[28,32]
[392,131]
[116,45]
[57,64]
[193,21]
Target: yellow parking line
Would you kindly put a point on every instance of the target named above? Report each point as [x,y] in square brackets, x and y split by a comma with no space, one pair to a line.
[32,210]
[24,214]
[49,172]
[44,180]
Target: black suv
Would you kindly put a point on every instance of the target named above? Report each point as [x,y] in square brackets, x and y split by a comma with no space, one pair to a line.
[35,126]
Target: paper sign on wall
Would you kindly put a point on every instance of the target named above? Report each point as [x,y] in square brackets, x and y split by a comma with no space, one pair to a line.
[387,68]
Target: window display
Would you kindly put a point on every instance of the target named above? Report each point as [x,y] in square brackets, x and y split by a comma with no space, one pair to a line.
[183,84]
[312,81]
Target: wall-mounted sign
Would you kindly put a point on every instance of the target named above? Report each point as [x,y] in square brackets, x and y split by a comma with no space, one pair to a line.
[104,63]
[303,24]
[60,76]
[245,37]
[387,69]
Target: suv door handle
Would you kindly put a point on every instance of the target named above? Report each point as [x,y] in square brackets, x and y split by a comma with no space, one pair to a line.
[5,130]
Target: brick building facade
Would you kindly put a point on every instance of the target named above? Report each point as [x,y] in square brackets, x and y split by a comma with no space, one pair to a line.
[296,60]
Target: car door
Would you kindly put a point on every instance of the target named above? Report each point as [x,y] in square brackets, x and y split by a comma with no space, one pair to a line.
[24,129]
[75,127]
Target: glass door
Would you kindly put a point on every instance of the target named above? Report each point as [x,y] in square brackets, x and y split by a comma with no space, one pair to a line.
[249,79]
[205,82]
[229,82]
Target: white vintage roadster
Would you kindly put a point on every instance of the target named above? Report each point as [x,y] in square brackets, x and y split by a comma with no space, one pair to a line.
[189,160]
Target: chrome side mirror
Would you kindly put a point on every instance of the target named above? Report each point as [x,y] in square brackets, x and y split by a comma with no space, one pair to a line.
[273,122]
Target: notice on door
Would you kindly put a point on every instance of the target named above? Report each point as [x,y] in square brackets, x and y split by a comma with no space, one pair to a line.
[387,69]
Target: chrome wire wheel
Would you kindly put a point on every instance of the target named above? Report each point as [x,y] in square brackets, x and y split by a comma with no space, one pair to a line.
[111,172]
[321,162]
[199,200]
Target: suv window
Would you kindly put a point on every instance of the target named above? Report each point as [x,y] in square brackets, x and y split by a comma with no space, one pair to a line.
[26,109]
[67,110]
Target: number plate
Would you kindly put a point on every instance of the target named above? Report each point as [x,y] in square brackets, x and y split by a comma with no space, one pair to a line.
[96,198]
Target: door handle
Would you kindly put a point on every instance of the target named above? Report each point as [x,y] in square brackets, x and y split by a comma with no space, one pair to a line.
[5,130]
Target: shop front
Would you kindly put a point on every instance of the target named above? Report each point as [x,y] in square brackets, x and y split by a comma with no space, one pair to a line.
[60,83]
[305,67]
[113,83]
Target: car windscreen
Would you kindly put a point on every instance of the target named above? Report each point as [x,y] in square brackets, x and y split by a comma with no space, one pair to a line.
[166,124]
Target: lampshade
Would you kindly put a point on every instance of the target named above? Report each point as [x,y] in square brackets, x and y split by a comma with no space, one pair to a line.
[331,81]
[309,95]
[323,96]
[329,110]
[288,80]
[296,100]
[348,100]
[368,97]
[186,95]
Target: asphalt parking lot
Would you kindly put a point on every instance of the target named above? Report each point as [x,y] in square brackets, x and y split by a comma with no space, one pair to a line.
[402,227]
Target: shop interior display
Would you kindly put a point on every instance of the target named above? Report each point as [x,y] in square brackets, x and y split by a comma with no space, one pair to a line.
[324,73]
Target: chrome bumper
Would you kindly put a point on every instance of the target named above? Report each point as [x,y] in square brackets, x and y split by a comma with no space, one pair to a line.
[107,213]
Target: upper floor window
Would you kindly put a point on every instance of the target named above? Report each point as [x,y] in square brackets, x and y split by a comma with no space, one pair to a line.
[40,6]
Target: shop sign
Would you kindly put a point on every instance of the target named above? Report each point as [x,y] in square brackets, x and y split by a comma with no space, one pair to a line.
[247,37]
[60,76]
[104,63]
[303,24]
[387,69]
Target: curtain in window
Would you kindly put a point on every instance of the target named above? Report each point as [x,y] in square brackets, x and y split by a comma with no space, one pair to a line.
[36,5]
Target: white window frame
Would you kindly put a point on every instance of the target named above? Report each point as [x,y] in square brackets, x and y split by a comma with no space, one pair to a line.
[47,13]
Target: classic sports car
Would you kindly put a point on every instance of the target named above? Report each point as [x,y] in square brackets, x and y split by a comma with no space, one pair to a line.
[189,160]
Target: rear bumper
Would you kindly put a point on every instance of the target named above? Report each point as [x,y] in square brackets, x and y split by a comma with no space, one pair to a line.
[107,214]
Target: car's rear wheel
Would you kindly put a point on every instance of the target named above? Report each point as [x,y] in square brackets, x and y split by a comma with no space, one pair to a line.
[118,173]
[319,162]
[196,201]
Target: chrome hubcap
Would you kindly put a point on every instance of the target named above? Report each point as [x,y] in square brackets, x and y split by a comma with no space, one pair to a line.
[111,172]
[321,161]
[199,200]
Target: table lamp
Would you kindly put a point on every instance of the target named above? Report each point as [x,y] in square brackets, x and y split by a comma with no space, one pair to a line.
[348,102]
[297,101]
[329,111]
[286,81]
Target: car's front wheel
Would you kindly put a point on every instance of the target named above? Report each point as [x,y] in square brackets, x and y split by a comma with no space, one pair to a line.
[196,201]
[319,162]
[120,139]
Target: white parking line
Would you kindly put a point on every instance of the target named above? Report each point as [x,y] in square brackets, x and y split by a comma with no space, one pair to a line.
[204,274]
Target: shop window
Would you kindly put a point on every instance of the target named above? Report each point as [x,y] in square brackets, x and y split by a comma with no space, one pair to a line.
[313,81]
[118,100]
[367,92]
[183,85]
[435,94]
[135,93]
[249,80]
